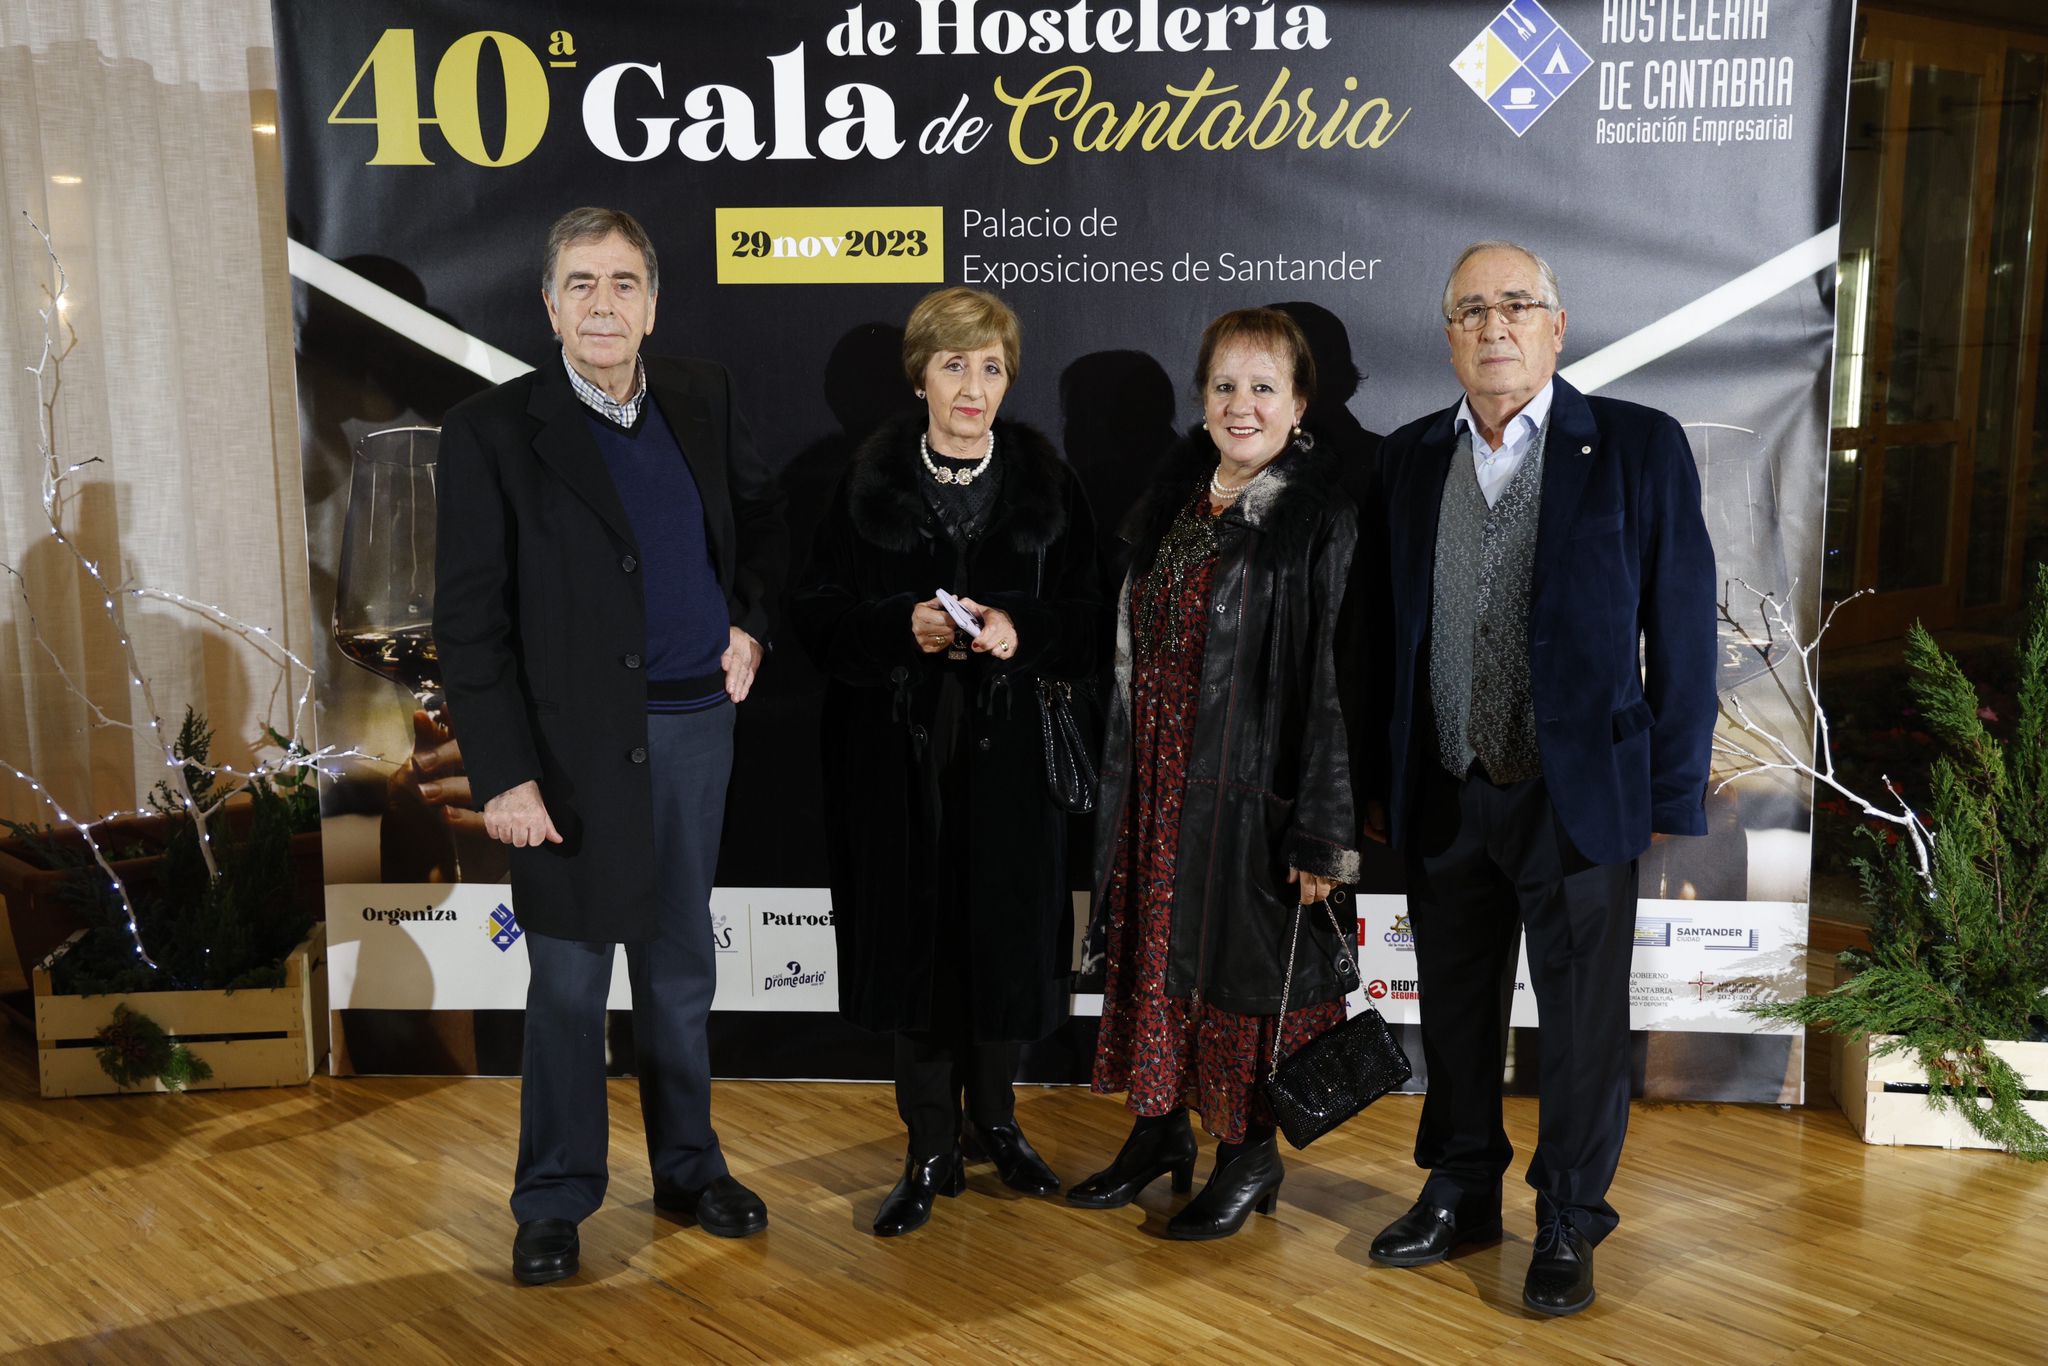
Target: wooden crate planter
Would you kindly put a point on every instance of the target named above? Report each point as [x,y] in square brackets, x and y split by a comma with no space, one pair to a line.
[265,1036]
[39,918]
[1905,1117]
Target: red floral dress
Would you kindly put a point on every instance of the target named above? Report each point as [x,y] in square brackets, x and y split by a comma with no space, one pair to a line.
[1165,1051]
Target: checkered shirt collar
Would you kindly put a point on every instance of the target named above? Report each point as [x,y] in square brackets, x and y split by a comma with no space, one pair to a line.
[603,404]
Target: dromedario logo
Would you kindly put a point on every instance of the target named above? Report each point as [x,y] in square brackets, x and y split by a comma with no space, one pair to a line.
[794,976]
[1521,64]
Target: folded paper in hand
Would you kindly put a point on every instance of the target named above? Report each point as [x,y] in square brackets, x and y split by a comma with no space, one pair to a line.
[962,618]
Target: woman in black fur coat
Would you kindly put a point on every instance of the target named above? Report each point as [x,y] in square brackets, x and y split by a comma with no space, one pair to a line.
[947,853]
[1225,807]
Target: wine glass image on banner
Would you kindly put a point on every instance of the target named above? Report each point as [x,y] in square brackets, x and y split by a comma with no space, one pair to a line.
[1739,495]
[1758,844]
[384,587]
[384,622]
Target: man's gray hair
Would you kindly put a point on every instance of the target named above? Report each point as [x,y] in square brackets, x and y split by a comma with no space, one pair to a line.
[1545,274]
[584,224]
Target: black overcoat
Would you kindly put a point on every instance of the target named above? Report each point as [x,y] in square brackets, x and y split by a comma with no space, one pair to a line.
[1268,784]
[541,623]
[879,552]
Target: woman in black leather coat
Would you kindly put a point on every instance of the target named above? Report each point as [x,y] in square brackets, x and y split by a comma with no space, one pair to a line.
[1226,800]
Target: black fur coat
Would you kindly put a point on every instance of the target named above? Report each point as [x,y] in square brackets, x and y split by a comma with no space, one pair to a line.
[935,795]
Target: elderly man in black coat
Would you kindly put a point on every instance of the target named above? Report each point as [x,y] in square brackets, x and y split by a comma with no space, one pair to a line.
[609,544]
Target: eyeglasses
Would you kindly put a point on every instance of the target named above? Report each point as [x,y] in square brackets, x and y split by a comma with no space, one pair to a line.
[1513,312]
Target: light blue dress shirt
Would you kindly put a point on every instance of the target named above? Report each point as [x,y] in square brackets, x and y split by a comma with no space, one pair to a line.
[1497,465]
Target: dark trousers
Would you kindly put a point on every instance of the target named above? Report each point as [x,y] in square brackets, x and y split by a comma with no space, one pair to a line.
[563,1128]
[942,1068]
[1488,864]
[936,1072]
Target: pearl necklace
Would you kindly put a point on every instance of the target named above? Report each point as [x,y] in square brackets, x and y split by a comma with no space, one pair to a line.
[924,453]
[1217,487]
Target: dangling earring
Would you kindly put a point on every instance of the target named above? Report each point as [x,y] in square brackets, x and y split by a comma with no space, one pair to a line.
[920,393]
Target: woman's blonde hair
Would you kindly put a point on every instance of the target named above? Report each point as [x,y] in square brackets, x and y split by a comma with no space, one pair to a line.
[957,319]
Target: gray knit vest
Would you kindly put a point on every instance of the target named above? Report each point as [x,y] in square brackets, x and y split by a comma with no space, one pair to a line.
[1479,632]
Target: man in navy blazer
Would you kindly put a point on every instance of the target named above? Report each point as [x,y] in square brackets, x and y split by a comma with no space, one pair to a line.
[1550,687]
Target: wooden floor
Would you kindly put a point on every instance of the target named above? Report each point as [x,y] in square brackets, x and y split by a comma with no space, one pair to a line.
[365,1221]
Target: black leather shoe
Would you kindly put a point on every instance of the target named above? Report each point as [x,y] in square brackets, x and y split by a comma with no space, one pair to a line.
[1017,1162]
[1560,1279]
[544,1250]
[1149,1153]
[723,1209]
[1427,1233]
[1251,1179]
[925,1179]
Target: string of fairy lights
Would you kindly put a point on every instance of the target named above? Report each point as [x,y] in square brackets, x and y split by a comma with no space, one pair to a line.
[113,598]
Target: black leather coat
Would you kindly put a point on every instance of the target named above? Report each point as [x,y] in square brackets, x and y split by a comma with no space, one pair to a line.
[1269,773]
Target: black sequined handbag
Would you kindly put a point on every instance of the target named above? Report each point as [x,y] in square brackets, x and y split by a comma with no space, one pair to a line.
[1339,1072]
[1069,768]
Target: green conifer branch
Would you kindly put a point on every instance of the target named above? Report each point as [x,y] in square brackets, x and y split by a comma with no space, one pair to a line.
[1959,937]
[134,1049]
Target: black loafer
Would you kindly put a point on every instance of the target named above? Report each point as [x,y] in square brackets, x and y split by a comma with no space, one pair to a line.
[1560,1279]
[1017,1162]
[1427,1233]
[723,1209]
[909,1203]
[544,1250]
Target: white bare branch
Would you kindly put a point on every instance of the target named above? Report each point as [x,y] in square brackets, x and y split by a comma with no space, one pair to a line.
[1776,754]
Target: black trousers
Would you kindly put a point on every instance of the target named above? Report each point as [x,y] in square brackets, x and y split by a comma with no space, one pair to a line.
[940,1073]
[1486,865]
[563,1129]
[942,1069]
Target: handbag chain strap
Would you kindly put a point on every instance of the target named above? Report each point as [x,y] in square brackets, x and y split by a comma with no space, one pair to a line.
[1347,962]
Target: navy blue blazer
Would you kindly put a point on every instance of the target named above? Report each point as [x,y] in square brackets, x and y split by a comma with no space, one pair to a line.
[1622,613]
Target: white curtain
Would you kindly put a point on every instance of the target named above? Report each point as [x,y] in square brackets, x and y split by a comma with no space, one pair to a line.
[143,137]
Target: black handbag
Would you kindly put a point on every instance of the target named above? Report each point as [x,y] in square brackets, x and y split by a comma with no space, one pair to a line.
[1069,768]
[1338,1073]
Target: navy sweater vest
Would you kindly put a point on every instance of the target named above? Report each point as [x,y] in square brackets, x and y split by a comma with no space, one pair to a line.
[688,626]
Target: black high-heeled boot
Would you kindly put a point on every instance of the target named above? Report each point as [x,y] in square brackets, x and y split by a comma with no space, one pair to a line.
[909,1205]
[1017,1162]
[1245,1179]
[1157,1145]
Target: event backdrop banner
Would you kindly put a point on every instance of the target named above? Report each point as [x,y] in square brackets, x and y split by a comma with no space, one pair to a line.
[1120,171]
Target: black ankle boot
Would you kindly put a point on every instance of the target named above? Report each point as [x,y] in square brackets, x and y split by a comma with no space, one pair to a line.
[1017,1162]
[1155,1147]
[1244,1179]
[909,1205]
